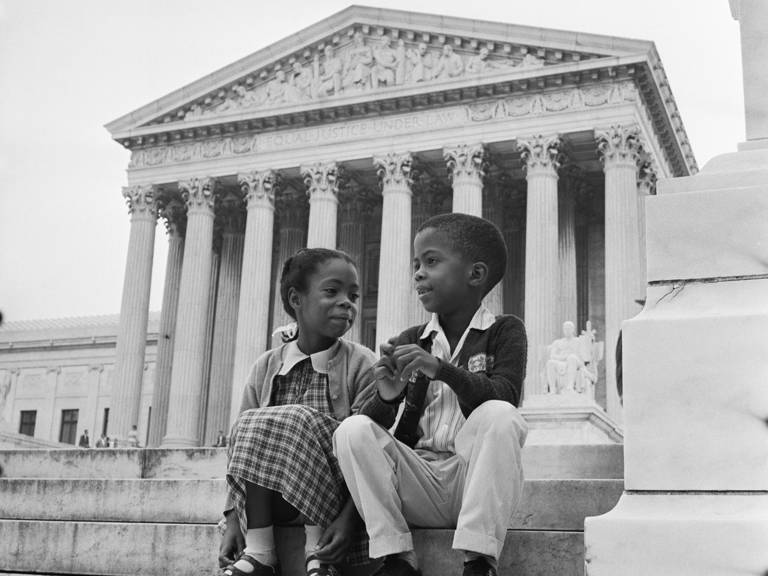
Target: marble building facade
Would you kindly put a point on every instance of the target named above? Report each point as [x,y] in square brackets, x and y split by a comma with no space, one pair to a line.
[351,133]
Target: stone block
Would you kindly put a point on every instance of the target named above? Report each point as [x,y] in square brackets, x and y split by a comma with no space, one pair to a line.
[680,534]
[574,461]
[725,235]
[697,419]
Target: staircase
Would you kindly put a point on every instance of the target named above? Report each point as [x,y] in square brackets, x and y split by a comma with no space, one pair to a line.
[153,512]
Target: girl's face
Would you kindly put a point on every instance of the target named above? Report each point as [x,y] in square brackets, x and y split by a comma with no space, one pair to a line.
[328,307]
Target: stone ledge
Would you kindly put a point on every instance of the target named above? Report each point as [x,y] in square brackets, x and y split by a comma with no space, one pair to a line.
[546,504]
[89,548]
[539,461]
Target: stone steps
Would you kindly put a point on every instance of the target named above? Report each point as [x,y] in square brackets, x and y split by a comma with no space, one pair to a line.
[603,461]
[153,512]
[107,549]
[546,504]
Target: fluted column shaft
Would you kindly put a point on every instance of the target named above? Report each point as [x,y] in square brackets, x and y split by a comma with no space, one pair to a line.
[352,241]
[253,308]
[567,255]
[542,280]
[323,189]
[466,165]
[191,341]
[392,311]
[134,310]
[224,336]
[167,336]
[619,147]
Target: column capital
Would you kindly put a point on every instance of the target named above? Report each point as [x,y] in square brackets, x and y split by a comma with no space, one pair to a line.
[322,179]
[394,169]
[466,160]
[259,187]
[199,193]
[646,177]
[619,144]
[173,210]
[141,200]
[541,153]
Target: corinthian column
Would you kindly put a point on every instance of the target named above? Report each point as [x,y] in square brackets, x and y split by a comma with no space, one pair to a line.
[190,346]
[219,403]
[322,181]
[619,148]
[253,308]
[174,214]
[466,166]
[392,311]
[292,211]
[541,160]
[134,310]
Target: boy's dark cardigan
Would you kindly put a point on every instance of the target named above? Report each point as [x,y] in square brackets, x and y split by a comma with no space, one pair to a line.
[491,366]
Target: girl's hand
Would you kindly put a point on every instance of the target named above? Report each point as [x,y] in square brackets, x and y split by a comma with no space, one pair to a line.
[411,358]
[232,541]
[337,538]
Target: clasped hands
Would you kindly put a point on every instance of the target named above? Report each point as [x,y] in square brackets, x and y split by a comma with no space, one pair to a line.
[397,363]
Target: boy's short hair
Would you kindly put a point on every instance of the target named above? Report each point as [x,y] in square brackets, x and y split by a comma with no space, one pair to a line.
[476,239]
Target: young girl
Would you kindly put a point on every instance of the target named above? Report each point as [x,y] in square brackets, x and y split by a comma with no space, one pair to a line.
[281,463]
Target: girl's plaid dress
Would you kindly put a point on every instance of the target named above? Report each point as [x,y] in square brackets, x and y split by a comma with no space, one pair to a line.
[287,447]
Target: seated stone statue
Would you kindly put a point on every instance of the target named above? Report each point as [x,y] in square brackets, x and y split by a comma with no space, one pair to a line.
[571,367]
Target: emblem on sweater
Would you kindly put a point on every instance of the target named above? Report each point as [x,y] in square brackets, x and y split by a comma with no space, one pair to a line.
[480,362]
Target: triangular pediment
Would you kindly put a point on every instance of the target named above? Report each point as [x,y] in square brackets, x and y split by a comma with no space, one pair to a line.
[363,54]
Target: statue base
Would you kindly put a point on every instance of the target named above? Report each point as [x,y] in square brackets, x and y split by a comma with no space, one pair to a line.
[568,419]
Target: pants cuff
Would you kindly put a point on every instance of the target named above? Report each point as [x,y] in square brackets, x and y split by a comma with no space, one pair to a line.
[386,545]
[468,541]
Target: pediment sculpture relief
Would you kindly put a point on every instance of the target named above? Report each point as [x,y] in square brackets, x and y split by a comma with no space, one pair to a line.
[572,361]
[358,67]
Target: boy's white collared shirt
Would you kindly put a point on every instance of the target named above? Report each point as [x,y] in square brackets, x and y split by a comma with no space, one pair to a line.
[293,355]
[442,417]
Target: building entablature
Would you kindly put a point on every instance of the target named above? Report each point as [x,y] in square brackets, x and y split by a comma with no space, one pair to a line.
[318,78]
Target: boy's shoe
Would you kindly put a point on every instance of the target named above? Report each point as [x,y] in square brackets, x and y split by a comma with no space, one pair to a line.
[394,566]
[479,567]
[259,569]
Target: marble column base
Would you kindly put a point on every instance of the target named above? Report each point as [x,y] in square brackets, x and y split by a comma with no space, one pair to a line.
[681,534]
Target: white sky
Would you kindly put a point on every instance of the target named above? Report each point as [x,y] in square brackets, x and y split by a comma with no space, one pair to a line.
[67,67]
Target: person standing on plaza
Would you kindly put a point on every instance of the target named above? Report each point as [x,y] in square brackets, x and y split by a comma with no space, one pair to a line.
[133,437]
[454,459]
[281,465]
[85,441]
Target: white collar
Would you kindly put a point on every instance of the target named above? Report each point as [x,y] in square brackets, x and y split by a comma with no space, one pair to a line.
[292,355]
[482,320]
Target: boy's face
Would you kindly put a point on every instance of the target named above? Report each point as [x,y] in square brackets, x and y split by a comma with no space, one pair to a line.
[441,274]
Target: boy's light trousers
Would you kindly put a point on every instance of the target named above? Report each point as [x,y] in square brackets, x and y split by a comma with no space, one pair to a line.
[476,490]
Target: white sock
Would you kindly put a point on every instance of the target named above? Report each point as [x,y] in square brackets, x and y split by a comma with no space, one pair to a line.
[260,544]
[469,556]
[410,557]
[312,536]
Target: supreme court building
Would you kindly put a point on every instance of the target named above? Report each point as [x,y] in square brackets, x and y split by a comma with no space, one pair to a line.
[348,135]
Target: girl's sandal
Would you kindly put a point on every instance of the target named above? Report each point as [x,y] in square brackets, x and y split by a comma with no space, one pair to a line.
[259,569]
[323,570]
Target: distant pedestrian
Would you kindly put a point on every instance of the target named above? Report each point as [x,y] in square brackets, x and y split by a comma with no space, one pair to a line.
[221,440]
[85,441]
[133,437]
[102,442]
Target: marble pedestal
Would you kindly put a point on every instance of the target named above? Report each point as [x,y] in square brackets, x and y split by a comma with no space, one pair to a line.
[695,395]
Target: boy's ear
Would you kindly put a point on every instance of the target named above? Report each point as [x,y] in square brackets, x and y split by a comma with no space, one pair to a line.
[294,298]
[478,274]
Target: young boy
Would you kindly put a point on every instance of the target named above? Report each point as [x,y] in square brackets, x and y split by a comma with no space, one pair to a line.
[455,457]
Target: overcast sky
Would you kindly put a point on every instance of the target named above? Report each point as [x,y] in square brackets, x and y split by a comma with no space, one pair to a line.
[67,67]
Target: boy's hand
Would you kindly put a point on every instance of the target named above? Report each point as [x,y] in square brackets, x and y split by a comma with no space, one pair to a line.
[387,377]
[411,358]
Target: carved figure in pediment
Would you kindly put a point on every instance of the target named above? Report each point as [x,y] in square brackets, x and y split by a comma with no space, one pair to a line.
[479,63]
[421,64]
[195,112]
[299,86]
[330,73]
[357,73]
[276,88]
[386,64]
[400,55]
[450,64]
[531,61]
